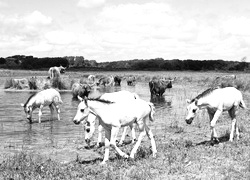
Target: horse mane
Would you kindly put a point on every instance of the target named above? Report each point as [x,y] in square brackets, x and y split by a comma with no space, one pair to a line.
[101,100]
[204,93]
[29,99]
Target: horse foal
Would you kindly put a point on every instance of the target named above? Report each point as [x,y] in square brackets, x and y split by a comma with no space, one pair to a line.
[217,100]
[48,97]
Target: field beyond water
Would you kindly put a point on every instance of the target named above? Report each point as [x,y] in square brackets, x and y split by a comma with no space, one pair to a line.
[184,151]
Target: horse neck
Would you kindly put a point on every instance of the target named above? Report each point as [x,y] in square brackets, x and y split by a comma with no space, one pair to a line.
[97,107]
[31,102]
[203,102]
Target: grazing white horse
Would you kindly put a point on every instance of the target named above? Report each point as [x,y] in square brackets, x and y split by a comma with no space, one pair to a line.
[119,96]
[48,97]
[112,116]
[54,72]
[217,100]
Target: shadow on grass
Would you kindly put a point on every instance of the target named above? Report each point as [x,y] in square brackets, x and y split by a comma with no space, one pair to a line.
[142,153]
[94,146]
[221,139]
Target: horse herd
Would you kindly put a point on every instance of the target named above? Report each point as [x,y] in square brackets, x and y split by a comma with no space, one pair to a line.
[126,109]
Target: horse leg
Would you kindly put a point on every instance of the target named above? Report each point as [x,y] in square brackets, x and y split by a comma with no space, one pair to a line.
[58,111]
[51,111]
[151,137]
[114,133]
[213,119]
[234,124]
[40,113]
[123,135]
[99,140]
[133,132]
[107,144]
[141,136]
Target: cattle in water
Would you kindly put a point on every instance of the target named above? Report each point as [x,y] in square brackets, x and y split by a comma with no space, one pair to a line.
[158,86]
[91,79]
[232,76]
[55,72]
[20,83]
[131,80]
[81,90]
[106,81]
[117,80]
[48,97]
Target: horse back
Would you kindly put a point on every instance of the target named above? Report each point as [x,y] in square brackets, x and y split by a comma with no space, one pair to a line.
[227,97]
[49,96]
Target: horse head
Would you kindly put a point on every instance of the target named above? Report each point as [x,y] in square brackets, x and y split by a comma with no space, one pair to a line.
[89,127]
[82,111]
[28,111]
[192,109]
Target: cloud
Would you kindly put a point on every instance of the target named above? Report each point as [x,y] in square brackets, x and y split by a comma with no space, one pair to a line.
[61,37]
[3,4]
[36,18]
[90,3]
[237,26]
[21,32]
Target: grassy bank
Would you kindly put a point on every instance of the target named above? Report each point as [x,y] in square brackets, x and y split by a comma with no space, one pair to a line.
[176,159]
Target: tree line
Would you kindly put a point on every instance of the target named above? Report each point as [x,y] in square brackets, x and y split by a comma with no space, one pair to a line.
[78,62]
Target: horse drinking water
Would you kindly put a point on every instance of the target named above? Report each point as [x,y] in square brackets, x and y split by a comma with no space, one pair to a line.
[48,97]
[112,116]
[217,100]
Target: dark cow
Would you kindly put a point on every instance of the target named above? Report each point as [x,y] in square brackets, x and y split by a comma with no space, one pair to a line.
[131,81]
[158,86]
[106,81]
[117,80]
[82,90]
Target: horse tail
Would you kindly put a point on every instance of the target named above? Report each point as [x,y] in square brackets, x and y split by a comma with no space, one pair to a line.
[152,111]
[242,104]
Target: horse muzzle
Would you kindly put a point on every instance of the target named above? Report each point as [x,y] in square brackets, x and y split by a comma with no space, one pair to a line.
[189,121]
[76,121]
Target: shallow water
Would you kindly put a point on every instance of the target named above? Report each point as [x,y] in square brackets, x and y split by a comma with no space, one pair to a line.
[16,133]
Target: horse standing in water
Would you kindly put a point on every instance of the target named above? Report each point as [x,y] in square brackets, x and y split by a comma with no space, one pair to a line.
[112,116]
[119,96]
[217,100]
[55,72]
[48,97]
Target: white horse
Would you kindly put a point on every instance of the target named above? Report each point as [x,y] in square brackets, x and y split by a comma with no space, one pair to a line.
[119,96]
[112,116]
[217,100]
[54,72]
[48,97]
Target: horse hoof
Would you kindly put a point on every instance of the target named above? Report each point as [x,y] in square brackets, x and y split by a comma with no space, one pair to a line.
[125,156]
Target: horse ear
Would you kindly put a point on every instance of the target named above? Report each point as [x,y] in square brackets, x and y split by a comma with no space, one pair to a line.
[81,99]
[196,102]
[22,104]
[86,101]
[188,101]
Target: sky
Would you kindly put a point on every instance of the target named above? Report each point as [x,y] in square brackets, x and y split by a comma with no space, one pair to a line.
[113,30]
